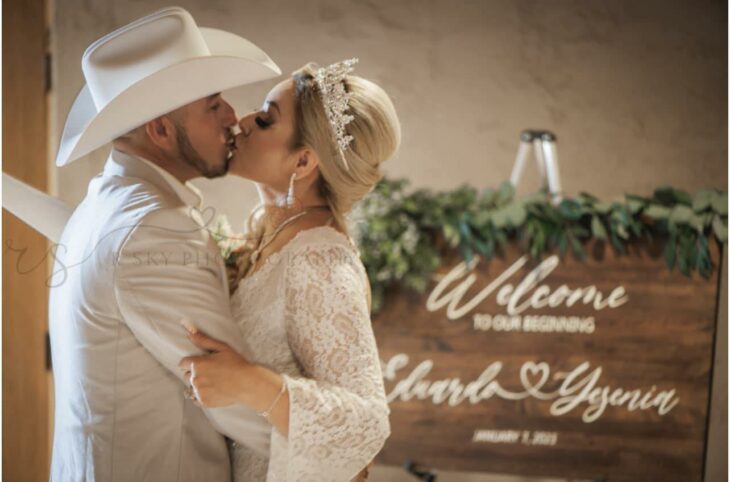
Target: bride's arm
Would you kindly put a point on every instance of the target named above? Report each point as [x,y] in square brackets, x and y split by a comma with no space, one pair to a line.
[223,377]
[338,412]
[335,418]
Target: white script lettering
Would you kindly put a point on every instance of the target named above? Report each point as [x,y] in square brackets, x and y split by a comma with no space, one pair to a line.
[578,387]
[516,299]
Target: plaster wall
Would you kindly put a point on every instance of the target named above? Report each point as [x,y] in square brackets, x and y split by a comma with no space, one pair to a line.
[635,91]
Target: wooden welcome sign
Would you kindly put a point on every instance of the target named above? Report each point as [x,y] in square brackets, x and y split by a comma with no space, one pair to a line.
[597,369]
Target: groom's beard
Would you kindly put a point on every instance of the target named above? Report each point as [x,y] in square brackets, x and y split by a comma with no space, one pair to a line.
[191,157]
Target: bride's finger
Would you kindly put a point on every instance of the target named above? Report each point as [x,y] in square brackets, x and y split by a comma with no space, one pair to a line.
[186,364]
[207,343]
[189,325]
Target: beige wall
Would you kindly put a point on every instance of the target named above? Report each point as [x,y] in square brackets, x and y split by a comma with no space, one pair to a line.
[635,91]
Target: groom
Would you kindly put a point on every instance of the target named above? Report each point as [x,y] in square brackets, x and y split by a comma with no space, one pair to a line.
[134,260]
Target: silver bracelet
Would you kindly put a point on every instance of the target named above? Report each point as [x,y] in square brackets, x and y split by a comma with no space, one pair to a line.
[266,413]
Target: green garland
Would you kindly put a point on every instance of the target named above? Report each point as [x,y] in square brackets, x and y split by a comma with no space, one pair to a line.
[398,232]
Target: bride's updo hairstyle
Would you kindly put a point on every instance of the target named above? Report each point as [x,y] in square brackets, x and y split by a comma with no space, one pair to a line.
[375,130]
[376,136]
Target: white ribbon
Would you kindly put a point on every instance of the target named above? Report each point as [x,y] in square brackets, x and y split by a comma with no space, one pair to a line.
[43,212]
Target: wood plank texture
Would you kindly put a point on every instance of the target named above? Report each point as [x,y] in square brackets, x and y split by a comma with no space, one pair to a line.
[659,339]
[26,426]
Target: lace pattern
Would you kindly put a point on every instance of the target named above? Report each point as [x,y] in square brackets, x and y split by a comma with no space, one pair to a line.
[306,316]
[246,464]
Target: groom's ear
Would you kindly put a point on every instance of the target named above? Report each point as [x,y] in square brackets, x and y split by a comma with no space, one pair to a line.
[161,132]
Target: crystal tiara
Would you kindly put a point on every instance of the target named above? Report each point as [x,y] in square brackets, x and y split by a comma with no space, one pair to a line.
[335,100]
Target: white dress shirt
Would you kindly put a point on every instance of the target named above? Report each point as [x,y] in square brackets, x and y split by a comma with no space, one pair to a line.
[134,260]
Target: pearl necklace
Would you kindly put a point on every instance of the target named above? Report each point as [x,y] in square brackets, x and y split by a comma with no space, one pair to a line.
[257,252]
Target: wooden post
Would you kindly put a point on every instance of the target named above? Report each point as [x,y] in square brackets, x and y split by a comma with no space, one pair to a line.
[26,425]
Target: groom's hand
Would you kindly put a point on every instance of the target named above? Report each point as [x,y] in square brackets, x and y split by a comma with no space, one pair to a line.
[217,378]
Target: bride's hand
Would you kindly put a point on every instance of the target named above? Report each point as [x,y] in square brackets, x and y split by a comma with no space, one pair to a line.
[218,378]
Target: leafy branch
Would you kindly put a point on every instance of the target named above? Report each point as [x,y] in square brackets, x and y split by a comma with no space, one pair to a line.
[401,234]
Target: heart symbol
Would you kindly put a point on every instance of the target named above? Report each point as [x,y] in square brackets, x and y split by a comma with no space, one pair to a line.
[529,371]
[205,217]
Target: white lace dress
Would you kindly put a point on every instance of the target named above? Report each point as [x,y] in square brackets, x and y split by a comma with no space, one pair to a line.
[305,315]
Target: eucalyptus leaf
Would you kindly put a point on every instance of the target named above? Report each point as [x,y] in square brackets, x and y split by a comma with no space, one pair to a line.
[401,234]
[616,243]
[464,231]
[621,215]
[720,228]
[719,203]
[636,228]
[506,192]
[489,196]
[516,214]
[410,205]
[707,219]
[535,197]
[562,243]
[703,200]
[696,222]
[501,238]
[669,196]
[687,254]
[578,250]
[703,262]
[656,211]
[570,209]
[486,248]
[500,217]
[586,198]
[664,195]
[580,231]
[483,217]
[681,214]
[597,228]
[682,197]
[466,252]
[635,205]
[672,228]
[451,235]
[603,207]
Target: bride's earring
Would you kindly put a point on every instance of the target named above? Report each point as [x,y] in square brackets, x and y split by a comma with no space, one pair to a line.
[290,192]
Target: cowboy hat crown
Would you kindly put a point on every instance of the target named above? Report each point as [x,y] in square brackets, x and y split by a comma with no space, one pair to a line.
[150,67]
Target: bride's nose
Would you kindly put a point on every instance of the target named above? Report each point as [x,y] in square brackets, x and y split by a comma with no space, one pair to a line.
[245,123]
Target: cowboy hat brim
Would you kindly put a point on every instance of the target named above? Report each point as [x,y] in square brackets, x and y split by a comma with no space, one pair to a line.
[233,61]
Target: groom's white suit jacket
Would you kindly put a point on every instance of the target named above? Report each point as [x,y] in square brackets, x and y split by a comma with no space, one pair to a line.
[132,261]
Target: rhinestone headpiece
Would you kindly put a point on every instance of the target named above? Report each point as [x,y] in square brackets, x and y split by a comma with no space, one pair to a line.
[335,100]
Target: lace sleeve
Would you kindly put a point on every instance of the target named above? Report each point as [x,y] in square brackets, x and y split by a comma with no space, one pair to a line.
[338,415]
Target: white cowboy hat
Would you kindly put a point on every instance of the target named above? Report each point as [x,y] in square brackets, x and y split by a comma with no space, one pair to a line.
[150,67]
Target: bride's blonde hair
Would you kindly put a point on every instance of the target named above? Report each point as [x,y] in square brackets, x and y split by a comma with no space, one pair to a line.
[376,137]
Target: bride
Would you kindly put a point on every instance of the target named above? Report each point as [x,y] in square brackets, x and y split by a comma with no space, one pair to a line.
[301,294]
